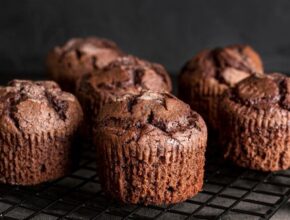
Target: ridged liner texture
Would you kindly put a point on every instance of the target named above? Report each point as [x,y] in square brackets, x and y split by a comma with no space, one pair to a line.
[33,159]
[125,75]
[79,56]
[151,149]
[38,125]
[208,75]
[255,132]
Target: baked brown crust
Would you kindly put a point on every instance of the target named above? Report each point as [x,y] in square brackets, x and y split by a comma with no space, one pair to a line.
[150,148]
[37,124]
[126,74]
[205,77]
[66,63]
[255,115]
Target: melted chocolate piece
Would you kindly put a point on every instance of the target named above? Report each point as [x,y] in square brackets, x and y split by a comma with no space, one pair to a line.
[263,92]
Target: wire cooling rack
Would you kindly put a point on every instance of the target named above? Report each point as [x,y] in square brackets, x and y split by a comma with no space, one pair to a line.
[229,193]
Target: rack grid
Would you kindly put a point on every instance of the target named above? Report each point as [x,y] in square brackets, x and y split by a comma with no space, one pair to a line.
[229,192]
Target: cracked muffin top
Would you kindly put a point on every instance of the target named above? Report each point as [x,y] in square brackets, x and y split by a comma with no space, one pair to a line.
[152,113]
[33,107]
[79,56]
[262,92]
[123,75]
[102,51]
[226,66]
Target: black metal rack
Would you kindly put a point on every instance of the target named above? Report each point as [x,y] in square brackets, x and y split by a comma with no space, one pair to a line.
[229,192]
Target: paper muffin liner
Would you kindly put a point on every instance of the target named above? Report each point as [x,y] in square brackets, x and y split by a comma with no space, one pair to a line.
[36,158]
[256,139]
[165,174]
[204,98]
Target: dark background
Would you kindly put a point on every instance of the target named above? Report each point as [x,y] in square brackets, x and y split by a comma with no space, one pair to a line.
[168,31]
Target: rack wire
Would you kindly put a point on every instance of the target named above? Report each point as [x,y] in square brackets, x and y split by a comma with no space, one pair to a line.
[229,192]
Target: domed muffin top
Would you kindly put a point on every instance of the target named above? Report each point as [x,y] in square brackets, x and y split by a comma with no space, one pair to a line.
[32,107]
[227,65]
[151,112]
[263,91]
[101,50]
[124,74]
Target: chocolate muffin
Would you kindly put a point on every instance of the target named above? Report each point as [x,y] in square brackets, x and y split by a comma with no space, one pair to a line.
[127,74]
[38,122]
[205,77]
[78,56]
[256,115]
[151,149]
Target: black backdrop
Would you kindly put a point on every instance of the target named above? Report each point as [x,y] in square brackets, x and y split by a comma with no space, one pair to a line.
[165,31]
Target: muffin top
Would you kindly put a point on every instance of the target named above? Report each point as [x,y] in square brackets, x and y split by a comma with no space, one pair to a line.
[123,75]
[32,107]
[227,65]
[101,50]
[152,113]
[262,92]
[79,56]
